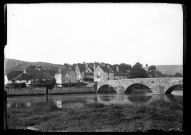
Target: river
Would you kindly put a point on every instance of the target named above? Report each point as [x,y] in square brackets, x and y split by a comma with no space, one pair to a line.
[80,100]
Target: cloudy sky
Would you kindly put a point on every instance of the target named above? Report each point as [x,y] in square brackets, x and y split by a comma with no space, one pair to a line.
[113,33]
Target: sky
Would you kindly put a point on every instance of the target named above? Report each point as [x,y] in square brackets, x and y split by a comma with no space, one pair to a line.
[96,32]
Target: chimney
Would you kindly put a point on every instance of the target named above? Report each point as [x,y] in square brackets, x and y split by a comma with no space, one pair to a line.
[108,66]
[117,68]
[59,71]
[86,67]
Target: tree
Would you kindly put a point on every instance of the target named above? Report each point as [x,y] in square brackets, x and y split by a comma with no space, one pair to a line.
[138,71]
[152,68]
[32,67]
[124,67]
[178,75]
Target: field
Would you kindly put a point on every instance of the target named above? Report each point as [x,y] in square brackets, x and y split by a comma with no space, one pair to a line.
[94,117]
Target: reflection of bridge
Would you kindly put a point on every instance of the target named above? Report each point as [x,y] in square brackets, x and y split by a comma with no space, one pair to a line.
[157,85]
[130,100]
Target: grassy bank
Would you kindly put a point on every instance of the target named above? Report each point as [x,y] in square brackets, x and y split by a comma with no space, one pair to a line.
[97,117]
[42,91]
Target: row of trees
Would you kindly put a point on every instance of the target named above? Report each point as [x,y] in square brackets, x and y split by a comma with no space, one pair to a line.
[137,71]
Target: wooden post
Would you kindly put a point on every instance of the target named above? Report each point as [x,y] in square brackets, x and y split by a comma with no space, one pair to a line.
[5,110]
[46,93]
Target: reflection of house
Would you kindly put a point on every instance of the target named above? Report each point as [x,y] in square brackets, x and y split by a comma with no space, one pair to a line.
[103,73]
[66,75]
[85,71]
[58,103]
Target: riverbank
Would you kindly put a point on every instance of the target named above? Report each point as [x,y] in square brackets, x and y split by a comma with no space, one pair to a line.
[29,91]
[95,117]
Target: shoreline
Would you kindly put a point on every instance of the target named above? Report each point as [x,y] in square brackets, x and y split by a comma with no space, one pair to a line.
[15,95]
[54,91]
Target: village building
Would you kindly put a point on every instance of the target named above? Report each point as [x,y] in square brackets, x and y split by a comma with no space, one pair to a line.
[19,77]
[119,74]
[29,76]
[66,75]
[41,75]
[85,72]
[103,73]
[5,79]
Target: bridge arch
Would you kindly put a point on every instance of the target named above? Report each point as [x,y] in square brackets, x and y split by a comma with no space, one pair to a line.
[172,88]
[142,88]
[106,88]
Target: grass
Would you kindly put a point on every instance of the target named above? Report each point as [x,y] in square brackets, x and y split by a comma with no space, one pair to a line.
[97,117]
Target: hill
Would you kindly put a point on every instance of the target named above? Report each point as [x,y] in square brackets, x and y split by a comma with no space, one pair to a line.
[18,65]
[9,64]
[169,69]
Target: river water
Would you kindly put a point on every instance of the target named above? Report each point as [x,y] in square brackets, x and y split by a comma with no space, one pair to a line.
[80,100]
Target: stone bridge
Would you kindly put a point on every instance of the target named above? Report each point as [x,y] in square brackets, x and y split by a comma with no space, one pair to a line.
[156,85]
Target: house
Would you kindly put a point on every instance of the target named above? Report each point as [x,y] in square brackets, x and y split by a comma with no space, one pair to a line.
[66,75]
[85,71]
[103,73]
[43,75]
[19,77]
[119,74]
[5,79]
[30,75]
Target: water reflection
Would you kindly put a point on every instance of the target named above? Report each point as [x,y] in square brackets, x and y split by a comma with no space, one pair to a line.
[139,99]
[80,100]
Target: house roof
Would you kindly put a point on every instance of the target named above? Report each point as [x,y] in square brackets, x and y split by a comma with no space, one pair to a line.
[23,76]
[72,68]
[91,67]
[82,67]
[11,75]
[106,69]
[65,71]
[41,74]
[35,74]
[52,72]
[114,68]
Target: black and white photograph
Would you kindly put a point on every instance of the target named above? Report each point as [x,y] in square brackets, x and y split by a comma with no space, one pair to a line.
[93,67]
